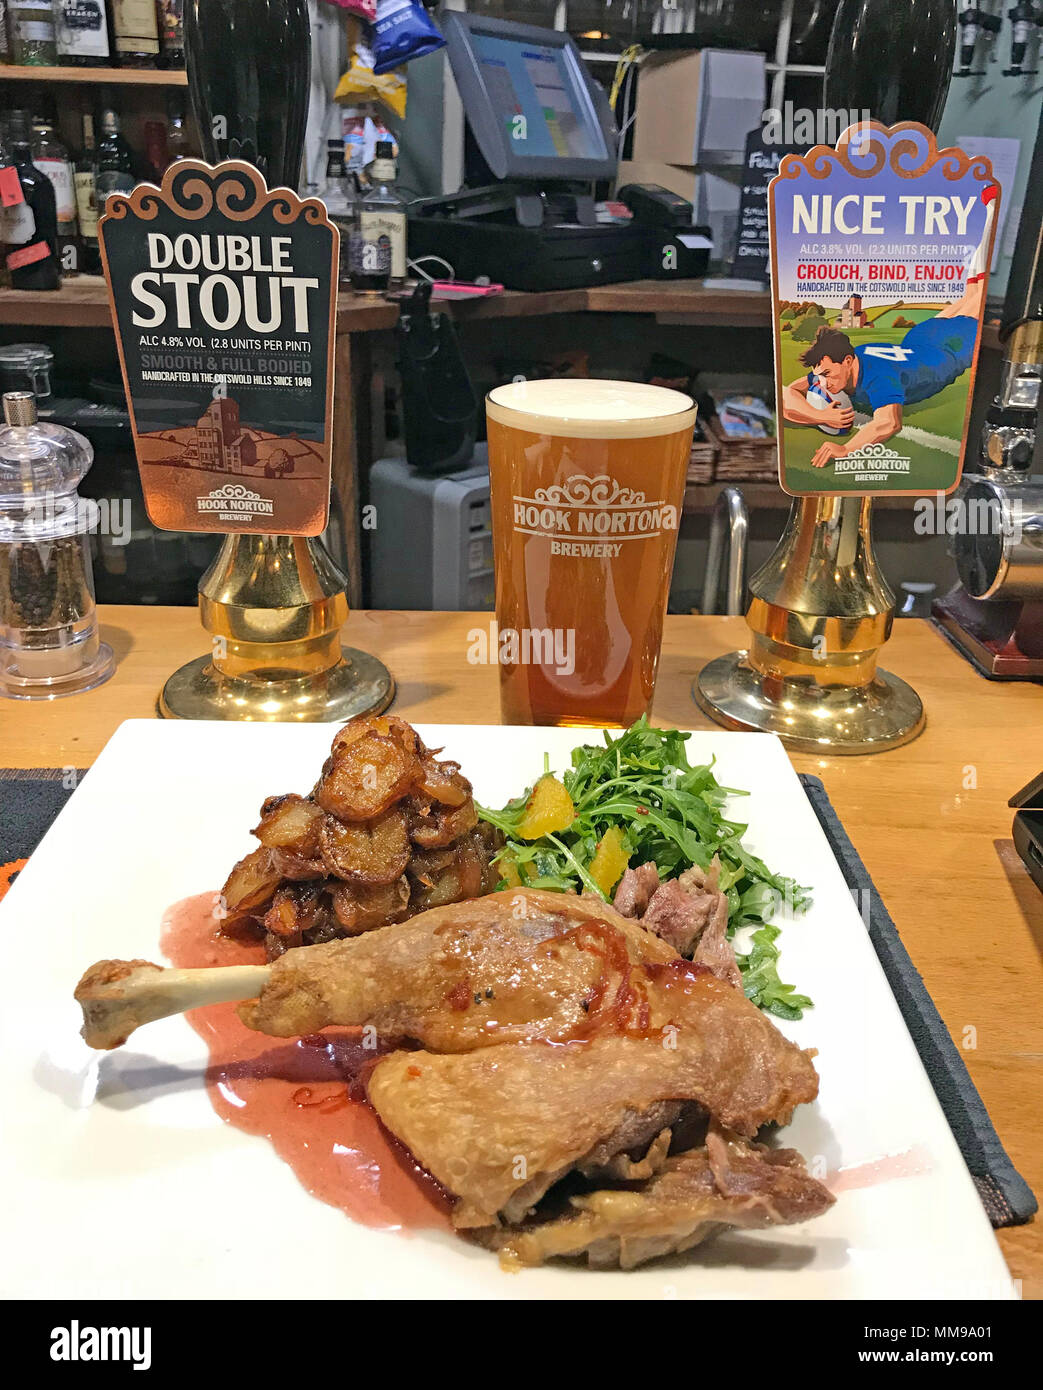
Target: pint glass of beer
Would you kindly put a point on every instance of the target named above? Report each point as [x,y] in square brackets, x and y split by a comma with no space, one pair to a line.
[587,482]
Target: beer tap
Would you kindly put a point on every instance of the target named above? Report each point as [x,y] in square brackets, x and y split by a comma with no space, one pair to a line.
[994,615]
[820,609]
[974,21]
[274,605]
[1022,17]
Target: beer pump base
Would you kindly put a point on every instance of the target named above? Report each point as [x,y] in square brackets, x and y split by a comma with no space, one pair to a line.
[274,607]
[358,684]
[808,717]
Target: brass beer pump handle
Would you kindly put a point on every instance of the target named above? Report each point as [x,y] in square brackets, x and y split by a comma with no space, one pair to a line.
[274,607]
[820,610]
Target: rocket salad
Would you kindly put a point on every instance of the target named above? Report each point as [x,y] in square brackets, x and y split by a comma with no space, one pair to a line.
[636,800]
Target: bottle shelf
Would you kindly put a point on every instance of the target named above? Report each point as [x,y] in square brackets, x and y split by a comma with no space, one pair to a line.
[125,77]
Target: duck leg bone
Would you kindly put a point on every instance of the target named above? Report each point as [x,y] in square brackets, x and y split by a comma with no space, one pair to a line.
[118,996]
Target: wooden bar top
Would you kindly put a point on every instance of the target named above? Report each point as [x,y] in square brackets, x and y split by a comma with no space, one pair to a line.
[930,820]
[82,302]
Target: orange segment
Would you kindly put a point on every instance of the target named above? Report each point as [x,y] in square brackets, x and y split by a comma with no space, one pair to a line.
[610,860]
[550,809]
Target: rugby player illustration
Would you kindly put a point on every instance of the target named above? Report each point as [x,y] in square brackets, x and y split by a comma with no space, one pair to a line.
[869,385]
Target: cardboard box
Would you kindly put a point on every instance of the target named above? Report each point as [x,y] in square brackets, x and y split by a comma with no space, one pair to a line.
[697,106]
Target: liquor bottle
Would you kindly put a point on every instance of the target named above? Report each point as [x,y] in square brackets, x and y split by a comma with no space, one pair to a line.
[82,33]
[5,37]
[172,33]
[341,203]
[135,33]
[31,25]
[115,169]
[30,223]
[382,218]
[85,180]
[248,76]
[893,60]
[51,156]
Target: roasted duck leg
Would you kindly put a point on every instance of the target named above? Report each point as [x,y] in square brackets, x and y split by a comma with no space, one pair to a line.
[507,967]
[514,967]
[501,1125]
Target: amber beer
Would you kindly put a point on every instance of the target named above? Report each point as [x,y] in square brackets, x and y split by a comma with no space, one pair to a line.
[587,483]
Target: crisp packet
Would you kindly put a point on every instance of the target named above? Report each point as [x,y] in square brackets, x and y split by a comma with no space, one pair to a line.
[365,9]
[402,31]
[360,83]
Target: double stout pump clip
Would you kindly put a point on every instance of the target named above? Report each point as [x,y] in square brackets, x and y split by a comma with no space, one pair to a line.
[880,252]
[224,297]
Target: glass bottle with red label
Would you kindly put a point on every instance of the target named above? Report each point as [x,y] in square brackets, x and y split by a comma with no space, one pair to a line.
[171,33]
[30,221]
[52,158]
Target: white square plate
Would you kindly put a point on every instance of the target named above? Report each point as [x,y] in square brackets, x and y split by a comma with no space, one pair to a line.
[120,1180]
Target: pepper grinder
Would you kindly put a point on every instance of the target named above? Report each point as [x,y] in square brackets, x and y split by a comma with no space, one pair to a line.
[49,642]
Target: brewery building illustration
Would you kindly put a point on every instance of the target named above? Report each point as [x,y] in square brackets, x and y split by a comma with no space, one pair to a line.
[219,442]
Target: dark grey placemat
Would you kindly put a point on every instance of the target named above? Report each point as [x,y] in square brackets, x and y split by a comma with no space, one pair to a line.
[29,802]
[1006,1196]
[30,799]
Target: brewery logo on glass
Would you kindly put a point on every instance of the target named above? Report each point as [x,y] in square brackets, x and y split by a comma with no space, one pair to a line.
[880,257]
[586,483]
[224,298]
[591,517]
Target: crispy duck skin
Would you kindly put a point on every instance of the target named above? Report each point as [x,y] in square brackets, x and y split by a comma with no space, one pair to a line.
[429,978]
[520,966]
[504,1122]
[526,966]
[691,1197]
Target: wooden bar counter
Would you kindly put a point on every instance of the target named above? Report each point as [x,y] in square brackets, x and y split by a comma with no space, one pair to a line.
[930,820]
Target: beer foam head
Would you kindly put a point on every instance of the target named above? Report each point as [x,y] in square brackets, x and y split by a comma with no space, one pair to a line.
[589,408]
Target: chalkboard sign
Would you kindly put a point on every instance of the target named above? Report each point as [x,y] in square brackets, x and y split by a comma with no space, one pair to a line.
[224,297]
[760,165]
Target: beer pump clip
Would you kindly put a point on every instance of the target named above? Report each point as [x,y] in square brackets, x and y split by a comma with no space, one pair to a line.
[224,300]
[855,339]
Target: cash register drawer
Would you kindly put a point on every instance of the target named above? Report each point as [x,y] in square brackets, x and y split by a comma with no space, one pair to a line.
[535,258]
